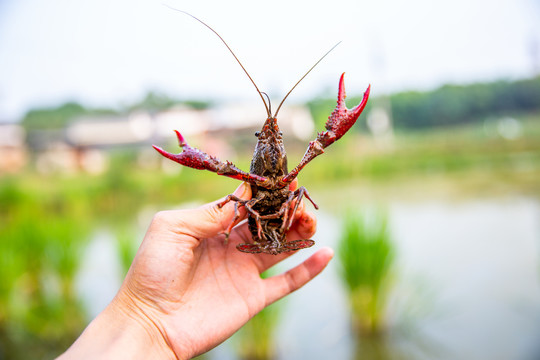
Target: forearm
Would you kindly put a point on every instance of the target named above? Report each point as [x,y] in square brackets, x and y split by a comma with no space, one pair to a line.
[115,335]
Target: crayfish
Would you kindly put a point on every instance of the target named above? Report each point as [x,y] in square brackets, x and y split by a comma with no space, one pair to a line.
[273,205]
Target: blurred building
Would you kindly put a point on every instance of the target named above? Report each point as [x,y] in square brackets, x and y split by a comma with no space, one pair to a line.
[13,152]
[86,143]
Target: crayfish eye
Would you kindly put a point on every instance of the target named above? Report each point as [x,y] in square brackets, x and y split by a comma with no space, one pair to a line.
[257,133]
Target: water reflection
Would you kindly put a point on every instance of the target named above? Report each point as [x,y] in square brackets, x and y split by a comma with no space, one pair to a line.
[99,275]
[483,258]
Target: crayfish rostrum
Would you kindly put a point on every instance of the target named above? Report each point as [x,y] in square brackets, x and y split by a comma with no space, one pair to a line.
[272,207]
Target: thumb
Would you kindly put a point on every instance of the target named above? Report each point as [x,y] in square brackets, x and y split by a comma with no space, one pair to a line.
[214,218]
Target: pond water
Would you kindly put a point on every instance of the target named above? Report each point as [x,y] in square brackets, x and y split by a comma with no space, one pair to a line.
[467,286]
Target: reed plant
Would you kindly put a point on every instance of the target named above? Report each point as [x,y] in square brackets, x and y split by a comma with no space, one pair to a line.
[366,254]
[256,339]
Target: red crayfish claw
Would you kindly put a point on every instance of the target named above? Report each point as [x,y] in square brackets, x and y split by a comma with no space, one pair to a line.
[339,122]
[197,159]
[341,119]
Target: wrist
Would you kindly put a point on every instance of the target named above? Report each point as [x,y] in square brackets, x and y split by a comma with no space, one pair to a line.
[120,333]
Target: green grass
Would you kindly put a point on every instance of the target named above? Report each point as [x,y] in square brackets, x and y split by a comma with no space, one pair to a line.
[40,245]
[256,339]
[366,256]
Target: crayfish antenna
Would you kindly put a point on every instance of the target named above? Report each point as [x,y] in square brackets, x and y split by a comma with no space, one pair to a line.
[232,52]
[302,78]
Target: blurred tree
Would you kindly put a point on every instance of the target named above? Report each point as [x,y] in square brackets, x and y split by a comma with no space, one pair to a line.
[447,105]
[58,117]
[154,101]
[458,104]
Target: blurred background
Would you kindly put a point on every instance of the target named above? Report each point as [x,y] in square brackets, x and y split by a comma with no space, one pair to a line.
[432,201]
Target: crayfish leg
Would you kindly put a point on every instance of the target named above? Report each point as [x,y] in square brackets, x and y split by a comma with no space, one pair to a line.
[298,194]
[298,244]
[249,248]
[238,201]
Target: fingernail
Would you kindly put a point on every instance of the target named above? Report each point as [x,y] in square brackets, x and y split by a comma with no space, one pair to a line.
[242,190]
[309,225]
[327,252]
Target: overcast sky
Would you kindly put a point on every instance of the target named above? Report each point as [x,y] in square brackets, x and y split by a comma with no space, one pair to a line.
[111,52]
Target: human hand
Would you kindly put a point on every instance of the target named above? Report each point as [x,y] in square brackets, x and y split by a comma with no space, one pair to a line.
[188,290]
